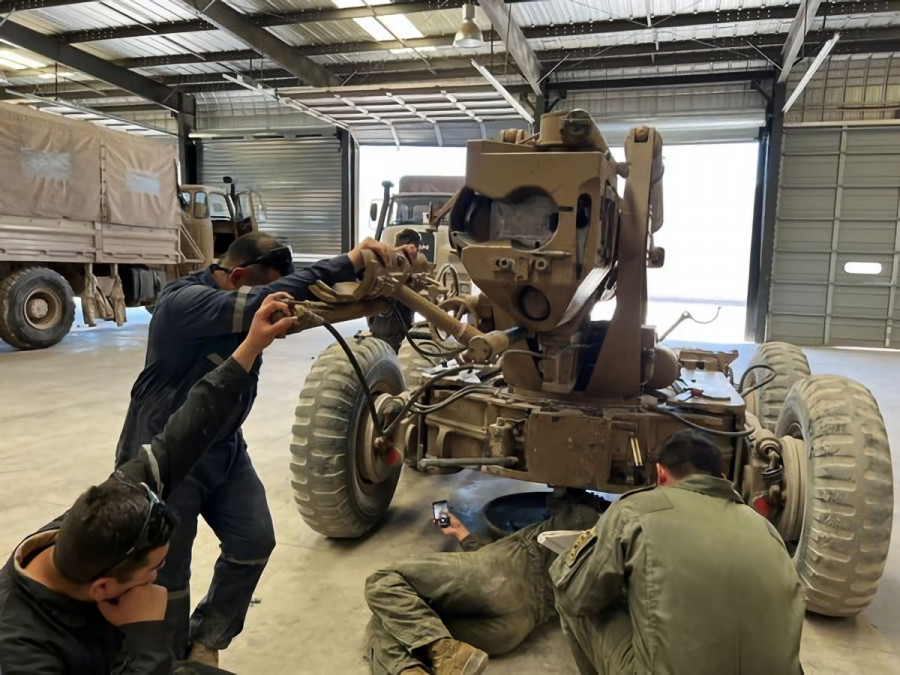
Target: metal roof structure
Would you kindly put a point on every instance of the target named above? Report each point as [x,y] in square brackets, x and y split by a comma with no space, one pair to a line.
[383,63]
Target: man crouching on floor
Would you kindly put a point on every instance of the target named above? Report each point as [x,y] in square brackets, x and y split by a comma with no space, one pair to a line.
[78,596]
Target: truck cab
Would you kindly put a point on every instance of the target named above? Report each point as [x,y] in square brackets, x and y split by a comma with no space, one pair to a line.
[214,217]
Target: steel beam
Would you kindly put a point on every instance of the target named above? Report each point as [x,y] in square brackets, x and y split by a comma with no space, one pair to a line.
[267,19]
[262,41]
[766,237]
[72,57]
[22,5]
[516,44]
[813,67]
[263,19]
[803,20]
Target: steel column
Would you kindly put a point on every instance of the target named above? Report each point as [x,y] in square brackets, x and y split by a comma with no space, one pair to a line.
[774,135]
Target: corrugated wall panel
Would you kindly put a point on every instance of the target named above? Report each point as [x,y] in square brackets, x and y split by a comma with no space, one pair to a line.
[836,266]
[299,180]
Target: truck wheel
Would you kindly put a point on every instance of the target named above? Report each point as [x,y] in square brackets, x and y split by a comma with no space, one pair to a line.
[341,486]
[389,327]
[789,365]
[839,492]
[37,308]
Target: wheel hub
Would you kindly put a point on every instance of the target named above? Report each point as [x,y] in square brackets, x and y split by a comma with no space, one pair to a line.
[42,309]
[790,524]
[373,462]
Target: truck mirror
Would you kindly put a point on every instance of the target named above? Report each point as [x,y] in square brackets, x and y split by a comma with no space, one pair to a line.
[227,180]
[373,211]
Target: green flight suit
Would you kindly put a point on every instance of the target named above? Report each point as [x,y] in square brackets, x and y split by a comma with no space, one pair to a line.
[681,579]
[491,596]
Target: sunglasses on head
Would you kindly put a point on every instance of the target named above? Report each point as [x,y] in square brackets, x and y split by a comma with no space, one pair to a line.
[280,259]
[153,523]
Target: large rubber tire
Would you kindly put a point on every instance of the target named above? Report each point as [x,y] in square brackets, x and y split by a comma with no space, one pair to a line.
[848,503]
[331,495]
[37,308]
[789,364]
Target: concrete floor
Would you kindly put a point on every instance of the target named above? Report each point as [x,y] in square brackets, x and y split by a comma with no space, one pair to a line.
[61,411]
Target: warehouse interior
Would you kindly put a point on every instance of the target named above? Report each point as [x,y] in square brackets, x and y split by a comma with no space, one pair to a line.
[781,125]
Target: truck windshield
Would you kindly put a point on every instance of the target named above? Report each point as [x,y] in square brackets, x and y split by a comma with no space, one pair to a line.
[218,206]
[412,211]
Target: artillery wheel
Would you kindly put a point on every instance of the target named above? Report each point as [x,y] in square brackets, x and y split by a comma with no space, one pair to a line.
[789,365]
[342,487]
[839,492]
[37,308]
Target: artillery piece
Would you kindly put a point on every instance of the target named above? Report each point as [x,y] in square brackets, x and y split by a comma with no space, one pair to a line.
[519,381]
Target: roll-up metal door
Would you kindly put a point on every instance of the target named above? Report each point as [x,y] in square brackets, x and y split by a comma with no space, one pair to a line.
[299,180]
[837,238]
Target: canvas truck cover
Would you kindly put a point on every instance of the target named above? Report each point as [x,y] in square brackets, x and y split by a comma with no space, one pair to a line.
[54,168]
[431,184]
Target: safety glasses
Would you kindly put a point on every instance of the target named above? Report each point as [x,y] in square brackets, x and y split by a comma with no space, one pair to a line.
[149,533]
[280,259]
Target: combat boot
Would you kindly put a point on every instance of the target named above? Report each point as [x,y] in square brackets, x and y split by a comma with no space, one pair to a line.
[200,653]
[414,670]
[452,657]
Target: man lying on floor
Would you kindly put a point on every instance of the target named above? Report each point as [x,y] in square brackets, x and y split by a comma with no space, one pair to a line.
[446,612]
[78,596]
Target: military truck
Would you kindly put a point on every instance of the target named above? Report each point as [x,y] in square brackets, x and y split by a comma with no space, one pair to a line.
[84,210]
[95,212]
[539,391]
[216,216]
[418,213]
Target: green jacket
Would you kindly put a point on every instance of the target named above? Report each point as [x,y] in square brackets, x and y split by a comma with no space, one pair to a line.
[707,581]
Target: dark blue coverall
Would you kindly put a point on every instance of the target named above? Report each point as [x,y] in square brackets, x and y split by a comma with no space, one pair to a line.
[195,327]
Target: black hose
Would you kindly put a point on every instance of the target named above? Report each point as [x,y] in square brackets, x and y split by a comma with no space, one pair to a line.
[418,391]
[370,401]
[693,425]
[759,366]
[440,354]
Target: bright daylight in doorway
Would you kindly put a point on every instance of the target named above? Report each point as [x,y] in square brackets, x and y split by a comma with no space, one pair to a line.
[709,191]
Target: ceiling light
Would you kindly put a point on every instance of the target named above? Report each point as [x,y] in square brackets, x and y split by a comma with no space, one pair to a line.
[409,50]
[371,25]
[401,26]
[10,65]
[53,76]
[20,60]
[344,4]
[469,34]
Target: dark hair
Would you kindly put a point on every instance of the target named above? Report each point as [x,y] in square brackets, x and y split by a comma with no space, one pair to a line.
[688,452]
[249,247]
[102,525]
[408,236]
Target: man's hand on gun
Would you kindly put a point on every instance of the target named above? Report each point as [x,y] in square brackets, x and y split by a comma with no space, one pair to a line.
[382,250]
[273,319]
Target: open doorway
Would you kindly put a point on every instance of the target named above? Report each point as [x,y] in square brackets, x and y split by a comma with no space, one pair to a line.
[381,163]
[709,192]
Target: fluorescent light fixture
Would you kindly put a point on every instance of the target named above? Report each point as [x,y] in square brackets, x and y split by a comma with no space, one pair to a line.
[344,4]
[10,65]
[52,76]
[401,26]
[20,60]
[372,27]
[409,50]
[862,268]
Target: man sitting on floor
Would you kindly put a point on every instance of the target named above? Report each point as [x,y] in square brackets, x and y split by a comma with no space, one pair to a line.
[681,578]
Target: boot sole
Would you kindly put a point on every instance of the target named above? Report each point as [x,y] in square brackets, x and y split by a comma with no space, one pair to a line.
[476,664]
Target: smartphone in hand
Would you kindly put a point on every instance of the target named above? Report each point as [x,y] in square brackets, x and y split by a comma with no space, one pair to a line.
[441,511]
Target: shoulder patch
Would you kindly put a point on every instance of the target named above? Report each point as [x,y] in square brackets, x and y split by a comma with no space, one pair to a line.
[646,499]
